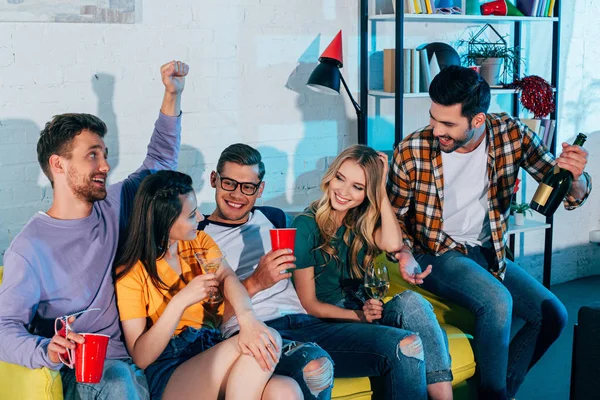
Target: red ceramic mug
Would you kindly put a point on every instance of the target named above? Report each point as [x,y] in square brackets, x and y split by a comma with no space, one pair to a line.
[284,238]
[89,358]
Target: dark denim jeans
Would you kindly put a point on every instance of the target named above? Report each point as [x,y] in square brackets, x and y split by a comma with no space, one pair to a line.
[189,343]
[502,363]
[359,350]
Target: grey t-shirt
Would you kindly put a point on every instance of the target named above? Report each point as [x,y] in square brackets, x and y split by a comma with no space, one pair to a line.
[244,245]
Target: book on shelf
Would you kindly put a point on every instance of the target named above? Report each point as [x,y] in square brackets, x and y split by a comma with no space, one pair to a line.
[417,70]
[536,8]
[389,68]
[543,128]
[406,73]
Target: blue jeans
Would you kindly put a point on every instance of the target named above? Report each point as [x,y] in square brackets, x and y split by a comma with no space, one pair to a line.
[121,379]
[359,350]
[188,344]
[502,363]
[411,311]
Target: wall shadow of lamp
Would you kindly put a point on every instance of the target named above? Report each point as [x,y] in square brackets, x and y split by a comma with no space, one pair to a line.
[326,78]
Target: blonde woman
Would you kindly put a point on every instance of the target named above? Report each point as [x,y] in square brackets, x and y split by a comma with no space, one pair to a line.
[338,236]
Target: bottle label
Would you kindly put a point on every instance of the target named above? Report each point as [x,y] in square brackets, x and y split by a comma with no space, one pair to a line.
[542,193]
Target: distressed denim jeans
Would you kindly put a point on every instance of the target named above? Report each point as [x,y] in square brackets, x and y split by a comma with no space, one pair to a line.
[359,350]
[502,363]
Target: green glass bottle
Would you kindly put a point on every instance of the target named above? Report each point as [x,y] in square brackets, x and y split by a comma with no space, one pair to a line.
[554,186]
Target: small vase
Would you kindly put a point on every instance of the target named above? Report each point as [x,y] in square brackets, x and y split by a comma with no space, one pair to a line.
[490,69]
[519,218]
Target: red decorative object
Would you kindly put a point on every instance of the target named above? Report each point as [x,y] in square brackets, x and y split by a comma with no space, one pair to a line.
[497,7]
[536,95]
[516,189]
[334,50]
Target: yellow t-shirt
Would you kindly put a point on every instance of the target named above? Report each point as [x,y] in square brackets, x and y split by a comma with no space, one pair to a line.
[137,297]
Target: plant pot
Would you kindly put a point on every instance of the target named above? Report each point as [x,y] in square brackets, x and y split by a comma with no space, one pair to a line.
[519,218]
[490,69]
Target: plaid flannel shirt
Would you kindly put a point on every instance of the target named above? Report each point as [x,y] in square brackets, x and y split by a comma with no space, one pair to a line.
[416,184]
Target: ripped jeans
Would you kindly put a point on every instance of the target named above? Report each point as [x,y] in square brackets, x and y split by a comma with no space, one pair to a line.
[356,350]
[411,311]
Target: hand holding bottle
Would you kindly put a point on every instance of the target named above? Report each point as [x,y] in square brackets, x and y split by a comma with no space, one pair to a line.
[574,159]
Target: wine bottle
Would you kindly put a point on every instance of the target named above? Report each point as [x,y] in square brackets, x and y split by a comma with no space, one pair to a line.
[554,186]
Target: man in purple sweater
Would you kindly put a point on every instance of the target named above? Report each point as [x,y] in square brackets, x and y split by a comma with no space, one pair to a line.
[61,263]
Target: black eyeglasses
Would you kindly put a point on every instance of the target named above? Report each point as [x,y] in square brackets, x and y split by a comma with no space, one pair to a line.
[230,185]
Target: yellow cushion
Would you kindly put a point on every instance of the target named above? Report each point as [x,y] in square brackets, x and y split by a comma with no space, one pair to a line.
[20,383]
[450,316]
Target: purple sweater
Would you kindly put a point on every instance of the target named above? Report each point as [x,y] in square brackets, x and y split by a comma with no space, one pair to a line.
[58,267]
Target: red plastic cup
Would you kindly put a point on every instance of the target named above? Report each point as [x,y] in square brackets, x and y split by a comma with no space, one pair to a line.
[89,358]
[284,238]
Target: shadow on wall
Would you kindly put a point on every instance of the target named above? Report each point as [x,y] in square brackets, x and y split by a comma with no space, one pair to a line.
[24,189]
[327,131]
[20,194]
[191,162]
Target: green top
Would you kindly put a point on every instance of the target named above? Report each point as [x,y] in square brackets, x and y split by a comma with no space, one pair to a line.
[330,278]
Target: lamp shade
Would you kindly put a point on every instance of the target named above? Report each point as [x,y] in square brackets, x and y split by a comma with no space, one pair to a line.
[334,50]
[325,78]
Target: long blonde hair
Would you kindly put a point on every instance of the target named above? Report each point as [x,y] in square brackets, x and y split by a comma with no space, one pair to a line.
[361,221]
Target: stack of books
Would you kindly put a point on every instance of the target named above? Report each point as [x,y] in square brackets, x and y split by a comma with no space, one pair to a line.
[544,128]
[417,73]
[536,8]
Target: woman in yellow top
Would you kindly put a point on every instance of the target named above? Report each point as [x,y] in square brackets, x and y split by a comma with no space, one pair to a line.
[169,328]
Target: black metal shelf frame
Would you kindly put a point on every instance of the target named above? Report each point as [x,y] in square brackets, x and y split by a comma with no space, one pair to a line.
[399,90]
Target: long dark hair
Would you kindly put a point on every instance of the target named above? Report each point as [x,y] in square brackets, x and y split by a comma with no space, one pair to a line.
[156,207]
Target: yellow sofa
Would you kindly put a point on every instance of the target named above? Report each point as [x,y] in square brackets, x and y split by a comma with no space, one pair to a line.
[18,383]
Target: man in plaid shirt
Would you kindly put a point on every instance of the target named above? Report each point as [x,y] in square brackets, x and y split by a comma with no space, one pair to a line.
[454,220]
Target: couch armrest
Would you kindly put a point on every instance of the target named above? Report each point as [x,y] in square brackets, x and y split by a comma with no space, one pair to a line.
[20,383]
[17,382]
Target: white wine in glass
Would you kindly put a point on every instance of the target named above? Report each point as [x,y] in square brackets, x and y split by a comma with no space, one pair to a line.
[210,261]
[377,281]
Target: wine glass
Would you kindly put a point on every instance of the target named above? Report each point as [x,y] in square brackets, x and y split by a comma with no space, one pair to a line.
[210,260]
[377,281]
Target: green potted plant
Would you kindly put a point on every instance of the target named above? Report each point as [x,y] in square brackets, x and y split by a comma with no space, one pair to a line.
[497,61]
[519,210]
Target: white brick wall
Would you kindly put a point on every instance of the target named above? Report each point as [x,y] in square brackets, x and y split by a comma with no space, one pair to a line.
[246,84]
[249,62]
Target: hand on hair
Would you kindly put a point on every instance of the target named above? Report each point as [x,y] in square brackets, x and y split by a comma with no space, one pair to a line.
[386,166]
[173,76]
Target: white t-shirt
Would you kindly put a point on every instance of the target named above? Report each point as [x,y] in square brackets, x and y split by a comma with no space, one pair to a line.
[466,184]
[244,245]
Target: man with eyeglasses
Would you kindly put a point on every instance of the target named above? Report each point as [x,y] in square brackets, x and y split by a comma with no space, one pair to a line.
[310,346]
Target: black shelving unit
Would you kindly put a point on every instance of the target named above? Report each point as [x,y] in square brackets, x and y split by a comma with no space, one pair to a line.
[399,17]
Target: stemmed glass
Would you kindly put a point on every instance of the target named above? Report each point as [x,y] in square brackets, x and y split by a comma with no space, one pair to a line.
[377,281]
[210,261]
